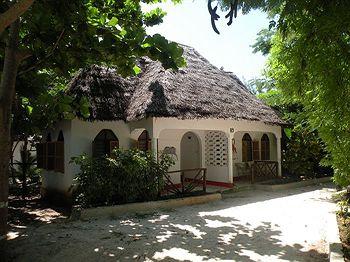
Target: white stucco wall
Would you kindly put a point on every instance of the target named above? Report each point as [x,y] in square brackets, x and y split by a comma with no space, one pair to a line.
[78,137]
[83,133]
[55,180]
[166,129]
[172,138]
[16,147]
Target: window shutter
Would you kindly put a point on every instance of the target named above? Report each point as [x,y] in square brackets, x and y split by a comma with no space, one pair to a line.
[99,148]
[149,144]
[256,153]
[263,150]
[59,156]
[244,151]
[265,147]
[51,153]
[40,155]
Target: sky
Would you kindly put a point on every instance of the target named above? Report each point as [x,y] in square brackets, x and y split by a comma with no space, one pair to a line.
[189,23]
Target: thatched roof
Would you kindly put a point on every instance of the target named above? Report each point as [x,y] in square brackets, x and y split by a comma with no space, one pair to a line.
[107,92]
[199,90]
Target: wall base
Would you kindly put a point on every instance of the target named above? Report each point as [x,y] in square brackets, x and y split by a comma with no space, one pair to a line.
[56,197]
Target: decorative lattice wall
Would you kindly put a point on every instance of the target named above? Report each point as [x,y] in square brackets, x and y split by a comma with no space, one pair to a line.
[215,148]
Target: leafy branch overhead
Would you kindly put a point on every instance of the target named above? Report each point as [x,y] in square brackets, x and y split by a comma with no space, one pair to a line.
[233,7]
[52,40]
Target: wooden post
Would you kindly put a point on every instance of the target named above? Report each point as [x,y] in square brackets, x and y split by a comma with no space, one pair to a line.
[230,156]
[205,180]
[182,182]
[279,157]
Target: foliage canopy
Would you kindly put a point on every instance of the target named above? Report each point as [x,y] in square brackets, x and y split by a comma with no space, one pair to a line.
[309,62]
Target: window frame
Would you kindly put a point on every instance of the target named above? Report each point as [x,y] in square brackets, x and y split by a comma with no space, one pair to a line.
[265,148]
[247,148]
[144,141]
[106,143]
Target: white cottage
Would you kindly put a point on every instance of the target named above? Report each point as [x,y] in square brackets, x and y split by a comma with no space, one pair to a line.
[202,115]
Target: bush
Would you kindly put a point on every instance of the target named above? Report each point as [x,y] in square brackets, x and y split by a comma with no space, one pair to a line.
[303,151]
[302,154]
[128,176]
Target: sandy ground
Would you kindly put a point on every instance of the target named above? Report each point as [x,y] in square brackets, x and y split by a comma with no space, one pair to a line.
[246,226]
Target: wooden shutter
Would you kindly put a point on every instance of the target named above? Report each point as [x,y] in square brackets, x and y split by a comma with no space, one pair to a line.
[99,148]
[149,145]
[51,153]
[256,152]
[59,156]
[265,148]
[112,145]
[40,155]
[244,151]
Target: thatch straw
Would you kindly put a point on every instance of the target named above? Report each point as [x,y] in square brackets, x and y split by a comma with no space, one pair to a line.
[197,91]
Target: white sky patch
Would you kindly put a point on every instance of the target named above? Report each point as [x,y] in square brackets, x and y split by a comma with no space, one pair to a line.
[189,23]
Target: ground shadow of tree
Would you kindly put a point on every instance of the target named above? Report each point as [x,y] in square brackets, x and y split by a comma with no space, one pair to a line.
[33,211]
[200,235]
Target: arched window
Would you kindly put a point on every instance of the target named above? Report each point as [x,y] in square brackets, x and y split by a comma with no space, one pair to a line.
[265,147]
[104,143]
[144,142]
[247,150]
[60,136]
[50,154]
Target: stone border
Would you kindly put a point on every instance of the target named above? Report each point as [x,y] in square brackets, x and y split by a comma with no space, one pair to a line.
[335,245]
[143,207]
[293,184]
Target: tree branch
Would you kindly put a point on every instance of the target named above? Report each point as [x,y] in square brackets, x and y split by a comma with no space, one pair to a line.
[13,13]
[46,57]
[11,63]
[213,16]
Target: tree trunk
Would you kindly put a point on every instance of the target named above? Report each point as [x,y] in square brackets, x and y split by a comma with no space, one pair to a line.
[13,13]
[7,90]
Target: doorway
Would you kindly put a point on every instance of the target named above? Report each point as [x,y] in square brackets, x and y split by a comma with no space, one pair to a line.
[190,151]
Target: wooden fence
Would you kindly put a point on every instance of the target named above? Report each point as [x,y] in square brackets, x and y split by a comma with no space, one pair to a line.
[264,170]
[190,180]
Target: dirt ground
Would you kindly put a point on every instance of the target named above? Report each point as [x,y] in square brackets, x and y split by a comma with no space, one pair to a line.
[253,225]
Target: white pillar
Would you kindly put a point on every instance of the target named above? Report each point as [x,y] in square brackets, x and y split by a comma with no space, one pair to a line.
[230,157]
[154,143]
[278,147]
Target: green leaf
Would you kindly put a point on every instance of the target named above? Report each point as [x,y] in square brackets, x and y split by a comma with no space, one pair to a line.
[29,110]
[288,132]
[136,69]
[113,21]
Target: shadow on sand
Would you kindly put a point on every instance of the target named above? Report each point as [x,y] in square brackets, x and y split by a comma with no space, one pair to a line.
[200,235]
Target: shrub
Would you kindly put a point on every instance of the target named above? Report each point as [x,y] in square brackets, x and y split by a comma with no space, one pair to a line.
[302,154]
[128,176]
[303,151]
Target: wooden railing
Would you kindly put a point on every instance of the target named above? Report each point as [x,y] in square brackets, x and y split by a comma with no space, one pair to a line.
[264,170]
[188,183]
